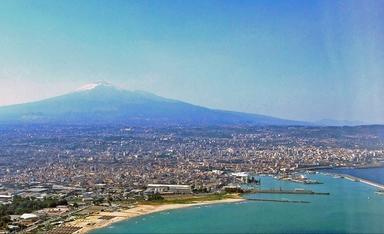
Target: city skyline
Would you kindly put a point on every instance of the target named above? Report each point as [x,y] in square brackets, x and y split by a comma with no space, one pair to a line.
[243,56]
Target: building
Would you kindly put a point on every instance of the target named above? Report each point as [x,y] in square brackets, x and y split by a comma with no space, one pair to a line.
[29,216]
[168,189]
[244,177]
[5,198]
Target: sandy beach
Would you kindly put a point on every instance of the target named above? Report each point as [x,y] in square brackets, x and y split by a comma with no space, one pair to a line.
[103,219]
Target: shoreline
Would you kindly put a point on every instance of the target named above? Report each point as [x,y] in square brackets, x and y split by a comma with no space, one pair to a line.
[93,222]
[104,219]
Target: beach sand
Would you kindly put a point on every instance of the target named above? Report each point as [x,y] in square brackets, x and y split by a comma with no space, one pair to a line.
[103,219]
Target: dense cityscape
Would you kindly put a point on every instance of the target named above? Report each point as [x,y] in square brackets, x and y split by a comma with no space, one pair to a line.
[89,165]
[130,158]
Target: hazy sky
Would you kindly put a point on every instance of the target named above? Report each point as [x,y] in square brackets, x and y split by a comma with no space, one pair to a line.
[304,60]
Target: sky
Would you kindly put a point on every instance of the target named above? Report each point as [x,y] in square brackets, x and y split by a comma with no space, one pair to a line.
[302,60]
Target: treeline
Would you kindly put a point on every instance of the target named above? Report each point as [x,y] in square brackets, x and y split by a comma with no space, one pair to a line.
[22,205]
[234,190]
[155,197]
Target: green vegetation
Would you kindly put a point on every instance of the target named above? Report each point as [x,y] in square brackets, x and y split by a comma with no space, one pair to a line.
[4,220]
[98,201]
[234,190]
[75,205]
[188,199]
[155,197]
[22,205]
[201,190]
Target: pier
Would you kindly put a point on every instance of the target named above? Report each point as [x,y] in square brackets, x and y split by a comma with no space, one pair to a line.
[356,179]
[281,191]
[276,200]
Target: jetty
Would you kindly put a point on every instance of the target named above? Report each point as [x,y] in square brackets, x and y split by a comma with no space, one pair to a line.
[298,179]
[285,191]
[276,200]
[356,179]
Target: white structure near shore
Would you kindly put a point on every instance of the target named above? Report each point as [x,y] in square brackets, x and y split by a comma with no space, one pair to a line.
[168,189]
[353,178]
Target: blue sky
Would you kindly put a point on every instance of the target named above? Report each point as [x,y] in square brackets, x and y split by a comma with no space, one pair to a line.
[304,60]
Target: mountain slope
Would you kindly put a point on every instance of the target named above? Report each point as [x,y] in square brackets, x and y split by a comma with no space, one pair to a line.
[102,103]
[333,122]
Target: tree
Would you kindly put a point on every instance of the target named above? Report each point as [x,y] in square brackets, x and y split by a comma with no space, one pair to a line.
[155,197]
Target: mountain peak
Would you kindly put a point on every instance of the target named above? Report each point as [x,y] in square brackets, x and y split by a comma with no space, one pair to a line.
[102,103]
[94,85]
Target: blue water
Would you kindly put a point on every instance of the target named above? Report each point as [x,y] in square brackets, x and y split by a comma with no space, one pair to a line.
[373,174]
[352,207]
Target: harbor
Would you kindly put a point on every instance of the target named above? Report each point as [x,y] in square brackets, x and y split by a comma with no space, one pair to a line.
[290,205]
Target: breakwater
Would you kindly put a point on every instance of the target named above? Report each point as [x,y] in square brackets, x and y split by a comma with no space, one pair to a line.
[284,191]
[365,181]
[276,200]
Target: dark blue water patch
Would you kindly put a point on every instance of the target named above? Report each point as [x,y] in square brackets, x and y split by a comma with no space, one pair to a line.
[372,174]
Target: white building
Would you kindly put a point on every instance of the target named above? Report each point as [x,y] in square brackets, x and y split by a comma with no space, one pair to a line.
[168,189]
[5,198]
[28,216]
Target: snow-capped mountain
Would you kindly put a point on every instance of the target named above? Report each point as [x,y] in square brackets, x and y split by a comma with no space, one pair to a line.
[103,103]
[91,86]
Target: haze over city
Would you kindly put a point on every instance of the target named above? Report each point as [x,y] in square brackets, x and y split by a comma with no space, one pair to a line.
[191,116]
[290,59]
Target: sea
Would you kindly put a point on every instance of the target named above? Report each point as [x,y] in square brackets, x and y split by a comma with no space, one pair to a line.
[350,207]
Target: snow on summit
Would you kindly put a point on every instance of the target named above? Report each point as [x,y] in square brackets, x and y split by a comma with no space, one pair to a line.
[93,85]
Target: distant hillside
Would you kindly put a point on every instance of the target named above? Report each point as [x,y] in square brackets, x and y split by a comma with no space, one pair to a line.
[332,122]
[102,103]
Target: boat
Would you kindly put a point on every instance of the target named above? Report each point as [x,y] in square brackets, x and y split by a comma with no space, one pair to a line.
[312,182]
[380,192]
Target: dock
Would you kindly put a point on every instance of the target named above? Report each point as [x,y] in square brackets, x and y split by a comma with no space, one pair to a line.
[276,200]
[305,181]
[356,179]
[281,191]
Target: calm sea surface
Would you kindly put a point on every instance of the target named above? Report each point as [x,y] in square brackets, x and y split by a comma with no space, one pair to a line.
[351,207]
